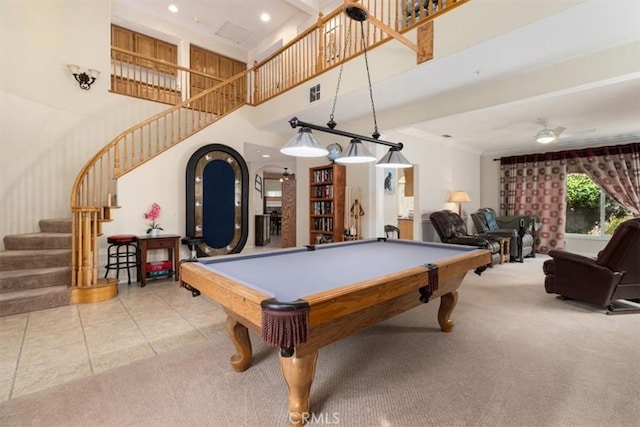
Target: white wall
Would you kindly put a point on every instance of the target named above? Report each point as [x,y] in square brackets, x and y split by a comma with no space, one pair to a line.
[443,169]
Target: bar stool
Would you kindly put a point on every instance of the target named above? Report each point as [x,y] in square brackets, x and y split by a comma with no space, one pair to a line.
[122,254]
[191,243]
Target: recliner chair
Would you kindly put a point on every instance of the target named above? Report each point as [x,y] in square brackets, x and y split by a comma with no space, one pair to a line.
[452,229]
[613,275]
[519,228]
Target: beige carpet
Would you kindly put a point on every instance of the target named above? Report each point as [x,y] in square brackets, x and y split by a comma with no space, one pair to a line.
[517,357]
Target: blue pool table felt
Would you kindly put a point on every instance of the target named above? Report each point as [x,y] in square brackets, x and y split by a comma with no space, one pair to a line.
[291,274]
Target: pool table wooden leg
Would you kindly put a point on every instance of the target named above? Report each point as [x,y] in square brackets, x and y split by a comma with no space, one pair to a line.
[298,373]
[447,304]
[240,337]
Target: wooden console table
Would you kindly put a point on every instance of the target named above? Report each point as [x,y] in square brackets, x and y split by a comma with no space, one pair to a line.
[170,242]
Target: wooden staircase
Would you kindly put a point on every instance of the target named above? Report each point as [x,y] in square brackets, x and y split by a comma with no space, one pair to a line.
[35,269]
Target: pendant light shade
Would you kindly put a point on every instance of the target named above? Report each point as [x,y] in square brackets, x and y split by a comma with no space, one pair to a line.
[394,159]
[304,144]
[356,152]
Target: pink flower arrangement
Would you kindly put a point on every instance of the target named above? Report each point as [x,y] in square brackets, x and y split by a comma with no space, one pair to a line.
[153,213]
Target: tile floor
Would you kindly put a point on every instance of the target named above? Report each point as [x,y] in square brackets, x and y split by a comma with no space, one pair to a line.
[50,347]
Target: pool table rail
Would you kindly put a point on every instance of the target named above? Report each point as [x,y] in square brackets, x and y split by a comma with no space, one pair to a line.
[242,300]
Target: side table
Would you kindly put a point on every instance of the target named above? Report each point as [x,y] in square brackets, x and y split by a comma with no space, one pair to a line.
[170,242]
[505,249]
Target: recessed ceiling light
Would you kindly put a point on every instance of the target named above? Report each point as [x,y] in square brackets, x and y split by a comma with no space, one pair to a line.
[173,8]
[265,17]
[266,156]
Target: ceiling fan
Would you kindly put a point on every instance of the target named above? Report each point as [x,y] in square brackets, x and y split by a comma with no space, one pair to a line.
[546,135]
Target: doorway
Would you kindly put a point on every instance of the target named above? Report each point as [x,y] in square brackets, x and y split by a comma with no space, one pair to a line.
[279,206]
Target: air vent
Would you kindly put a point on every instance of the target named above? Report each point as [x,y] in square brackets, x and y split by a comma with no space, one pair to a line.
[233,32]
[314,93]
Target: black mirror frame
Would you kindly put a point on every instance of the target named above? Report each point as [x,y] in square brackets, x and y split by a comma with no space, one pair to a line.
[194,185]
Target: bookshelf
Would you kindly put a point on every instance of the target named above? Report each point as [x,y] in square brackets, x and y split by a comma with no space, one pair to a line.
[326,203]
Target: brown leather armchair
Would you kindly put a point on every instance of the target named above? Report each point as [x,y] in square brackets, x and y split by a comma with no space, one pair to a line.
[452,229]
[613,275]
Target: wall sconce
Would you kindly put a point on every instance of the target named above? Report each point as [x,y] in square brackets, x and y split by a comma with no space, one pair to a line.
[459,197]
[84,80]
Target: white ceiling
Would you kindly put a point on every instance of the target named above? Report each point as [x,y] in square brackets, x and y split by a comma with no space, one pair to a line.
[234,21]
[602,114]
[598,112]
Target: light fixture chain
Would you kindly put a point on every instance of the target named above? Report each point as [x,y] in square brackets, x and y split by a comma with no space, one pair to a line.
[344,55]
[366,62]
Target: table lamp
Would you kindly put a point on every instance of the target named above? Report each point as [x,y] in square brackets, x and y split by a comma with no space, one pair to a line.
[459,197]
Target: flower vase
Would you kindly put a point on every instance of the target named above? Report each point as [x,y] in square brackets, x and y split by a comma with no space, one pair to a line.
[153,232]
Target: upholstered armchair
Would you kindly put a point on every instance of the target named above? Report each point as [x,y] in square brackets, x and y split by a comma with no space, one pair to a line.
[452,229]
[613,275]
[519,228]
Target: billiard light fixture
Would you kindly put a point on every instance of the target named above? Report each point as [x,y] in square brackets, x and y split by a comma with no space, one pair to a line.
[85,80]
[304,144]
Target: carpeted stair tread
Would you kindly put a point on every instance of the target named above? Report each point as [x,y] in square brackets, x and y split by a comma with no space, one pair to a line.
[35,268]
[25,259]
[33,278]
[55,225]
[41,240]
[33,299]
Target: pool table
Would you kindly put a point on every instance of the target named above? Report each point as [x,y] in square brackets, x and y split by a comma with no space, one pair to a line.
[305,298]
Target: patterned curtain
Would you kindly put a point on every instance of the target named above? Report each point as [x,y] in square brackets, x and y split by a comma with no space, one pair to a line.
[536,185]
[615,169]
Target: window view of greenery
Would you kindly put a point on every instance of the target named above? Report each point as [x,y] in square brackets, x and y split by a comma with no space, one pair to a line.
[588,208]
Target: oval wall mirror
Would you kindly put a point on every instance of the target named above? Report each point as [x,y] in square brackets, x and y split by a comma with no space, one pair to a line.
[217,200]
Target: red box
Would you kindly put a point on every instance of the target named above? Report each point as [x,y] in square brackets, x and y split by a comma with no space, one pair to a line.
[159,266]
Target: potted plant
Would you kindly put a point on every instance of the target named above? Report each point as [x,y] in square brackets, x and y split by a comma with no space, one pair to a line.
[153,213]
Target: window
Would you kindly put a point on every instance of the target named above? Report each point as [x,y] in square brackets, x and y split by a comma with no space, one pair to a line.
[588,207]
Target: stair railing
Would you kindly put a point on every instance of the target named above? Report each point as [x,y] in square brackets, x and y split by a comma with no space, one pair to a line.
[316,50]
[94,192]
